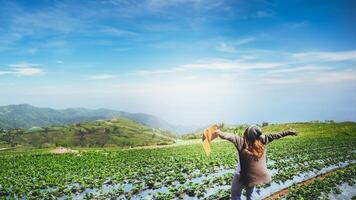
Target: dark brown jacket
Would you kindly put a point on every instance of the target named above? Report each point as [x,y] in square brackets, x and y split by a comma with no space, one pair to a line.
[252,172]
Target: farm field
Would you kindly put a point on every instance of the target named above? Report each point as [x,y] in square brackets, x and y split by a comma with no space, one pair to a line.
[184,172]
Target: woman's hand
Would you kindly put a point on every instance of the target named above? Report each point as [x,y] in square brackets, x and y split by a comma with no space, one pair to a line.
[217,132]
[211,133]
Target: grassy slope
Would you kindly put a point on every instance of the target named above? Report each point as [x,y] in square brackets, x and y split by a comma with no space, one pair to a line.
[119,132]
[316,130]
[309,129]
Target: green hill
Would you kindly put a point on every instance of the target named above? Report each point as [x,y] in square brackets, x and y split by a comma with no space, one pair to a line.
[27,116]
[100,133]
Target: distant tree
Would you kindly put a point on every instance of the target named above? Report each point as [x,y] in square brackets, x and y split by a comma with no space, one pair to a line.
[329,121]
[36,140]
[18,133]
[107,130]
[102,141]
[9,138]
[264,124]
[81,134]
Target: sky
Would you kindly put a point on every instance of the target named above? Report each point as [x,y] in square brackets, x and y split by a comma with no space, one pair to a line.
[186,61]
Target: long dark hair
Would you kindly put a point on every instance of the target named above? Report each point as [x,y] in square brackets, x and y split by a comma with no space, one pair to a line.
[253,142]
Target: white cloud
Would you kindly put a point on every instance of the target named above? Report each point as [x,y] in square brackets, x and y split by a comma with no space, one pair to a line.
[4,72]
[40,21]
[309,75]
[271,68]
[23,69]
[198,5]
[299,25]
[302,69]
[322,77]
[32,51]
[59,62]
[117,32]
[230,47]
[223,47]
[156,72]
[320,56]
[244,41]
[55,44]
[263,14]
[337,76]
[121,49]
[231,65]
[101,77]
[280,81]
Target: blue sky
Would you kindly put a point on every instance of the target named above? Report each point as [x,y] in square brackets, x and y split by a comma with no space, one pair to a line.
[187,61]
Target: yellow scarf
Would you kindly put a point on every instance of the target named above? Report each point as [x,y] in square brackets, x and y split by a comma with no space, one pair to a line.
[208,136]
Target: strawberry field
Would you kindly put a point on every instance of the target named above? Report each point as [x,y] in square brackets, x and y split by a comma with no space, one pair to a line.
[184,172]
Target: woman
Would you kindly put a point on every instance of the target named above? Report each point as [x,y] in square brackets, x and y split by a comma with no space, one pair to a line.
[252,168]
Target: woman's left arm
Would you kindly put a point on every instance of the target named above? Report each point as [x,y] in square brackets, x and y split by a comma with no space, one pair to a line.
[270,137]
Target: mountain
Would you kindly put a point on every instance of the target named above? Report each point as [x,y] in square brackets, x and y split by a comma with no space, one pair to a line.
[100,133]
[27,116]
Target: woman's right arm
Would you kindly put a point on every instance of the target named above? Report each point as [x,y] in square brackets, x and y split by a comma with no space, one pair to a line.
[235,139]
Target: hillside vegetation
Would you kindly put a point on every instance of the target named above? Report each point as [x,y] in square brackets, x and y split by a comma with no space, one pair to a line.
[100,133]
[27,116]
[301,126]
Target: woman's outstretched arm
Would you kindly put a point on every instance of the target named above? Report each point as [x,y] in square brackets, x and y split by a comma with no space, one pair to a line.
[270,137]
[235,139]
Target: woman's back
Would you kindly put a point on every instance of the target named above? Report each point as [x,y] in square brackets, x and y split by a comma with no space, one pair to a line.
[253,171]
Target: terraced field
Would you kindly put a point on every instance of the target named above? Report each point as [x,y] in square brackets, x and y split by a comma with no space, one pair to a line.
[184,171]
[117,132]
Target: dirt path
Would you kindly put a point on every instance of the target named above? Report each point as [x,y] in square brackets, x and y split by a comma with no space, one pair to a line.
[61,150]
[284,192]
[8,148]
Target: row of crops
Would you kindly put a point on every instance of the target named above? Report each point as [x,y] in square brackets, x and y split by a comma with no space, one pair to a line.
[330,187]
[183,171]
